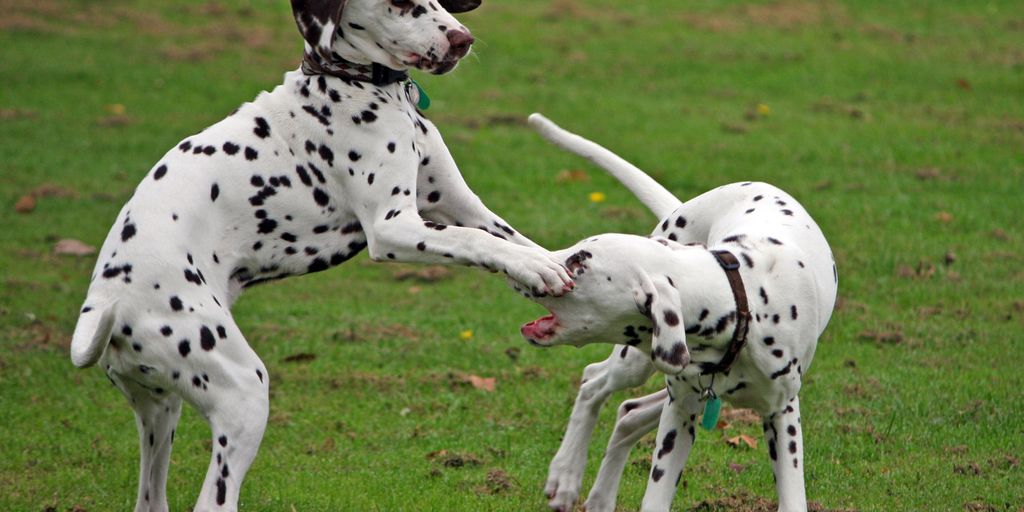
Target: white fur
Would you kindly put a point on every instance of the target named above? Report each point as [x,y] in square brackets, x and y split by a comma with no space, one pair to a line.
[627,289]
[300,179]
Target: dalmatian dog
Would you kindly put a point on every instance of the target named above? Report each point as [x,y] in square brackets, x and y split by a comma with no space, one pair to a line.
[727,298]
[301,179]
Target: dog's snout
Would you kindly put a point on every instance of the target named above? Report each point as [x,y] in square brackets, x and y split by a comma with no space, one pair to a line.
[460,41]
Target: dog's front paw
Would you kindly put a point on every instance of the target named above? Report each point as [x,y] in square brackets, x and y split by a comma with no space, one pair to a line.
[540,272]
[598,504]
[562,491]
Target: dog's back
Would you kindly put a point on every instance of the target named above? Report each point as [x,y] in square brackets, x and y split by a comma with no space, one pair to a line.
[751,218]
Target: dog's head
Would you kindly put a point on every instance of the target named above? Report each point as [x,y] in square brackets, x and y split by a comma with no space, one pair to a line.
[618,298]
[398,34]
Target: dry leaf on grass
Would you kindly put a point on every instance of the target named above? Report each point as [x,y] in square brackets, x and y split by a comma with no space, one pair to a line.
[72,247]
[478,382]
[739,415]
[572,175]
[482,383]
[301,357]
[25,204]
[742,438]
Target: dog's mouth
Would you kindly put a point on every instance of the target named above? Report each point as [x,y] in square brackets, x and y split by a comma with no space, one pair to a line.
[540,331]
[432,65]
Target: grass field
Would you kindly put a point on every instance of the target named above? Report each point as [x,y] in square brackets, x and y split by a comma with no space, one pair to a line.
[899,126]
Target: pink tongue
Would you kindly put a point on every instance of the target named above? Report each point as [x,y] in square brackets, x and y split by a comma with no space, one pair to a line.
[540,328]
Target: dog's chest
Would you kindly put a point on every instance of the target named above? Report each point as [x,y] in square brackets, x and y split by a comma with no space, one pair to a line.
[268,191]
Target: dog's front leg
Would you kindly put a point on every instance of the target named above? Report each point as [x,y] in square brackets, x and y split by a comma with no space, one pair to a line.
[625,368]
[635,419]
[444,195]
[675,438]
[401,235]
[784,436]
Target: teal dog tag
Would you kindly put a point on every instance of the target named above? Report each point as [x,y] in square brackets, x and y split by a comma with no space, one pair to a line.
[711,408]
[424,102]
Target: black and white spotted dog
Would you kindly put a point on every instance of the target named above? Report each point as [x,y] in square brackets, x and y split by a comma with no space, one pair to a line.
[728,298]
[336,159]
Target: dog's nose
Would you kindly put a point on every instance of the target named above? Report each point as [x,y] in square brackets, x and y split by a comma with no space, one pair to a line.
[460,41]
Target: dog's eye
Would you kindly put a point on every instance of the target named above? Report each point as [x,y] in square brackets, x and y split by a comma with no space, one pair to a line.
[402,4]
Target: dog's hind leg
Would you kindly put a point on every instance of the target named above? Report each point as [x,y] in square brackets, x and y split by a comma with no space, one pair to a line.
[784,436]
[636,417]
[156,416]
[236,402]
[625,368]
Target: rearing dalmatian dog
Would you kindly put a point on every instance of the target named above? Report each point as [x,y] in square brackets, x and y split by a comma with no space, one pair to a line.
[336,159]
[728,298]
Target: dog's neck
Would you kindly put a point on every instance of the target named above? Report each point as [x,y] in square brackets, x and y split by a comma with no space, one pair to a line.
[348,63]
[374,73]
[706,297]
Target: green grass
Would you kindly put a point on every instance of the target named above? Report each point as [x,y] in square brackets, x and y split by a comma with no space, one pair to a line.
[899,125]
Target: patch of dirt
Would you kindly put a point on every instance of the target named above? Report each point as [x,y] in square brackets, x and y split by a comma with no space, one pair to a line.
[782,15]
[924,270]
[959,449]
[375,332]
[10,114]
[891,337]
[745,502]
[827,105]
[1005,462]
[578,10]
[351,378]
[970,469]
[863,389]
[116,121]
[488,120]
[623,212]
[496,482]
[977,506]
[427,274]
[741,416]
[210,30]
[301,357]
[454,459]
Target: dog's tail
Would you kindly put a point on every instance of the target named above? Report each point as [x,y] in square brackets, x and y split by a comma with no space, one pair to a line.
[660,201]
[92,334]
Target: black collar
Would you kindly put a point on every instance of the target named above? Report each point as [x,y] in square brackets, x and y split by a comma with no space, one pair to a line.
[731,266]
[377,74]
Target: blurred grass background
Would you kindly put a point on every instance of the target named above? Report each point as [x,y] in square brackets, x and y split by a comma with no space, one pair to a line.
[899,125]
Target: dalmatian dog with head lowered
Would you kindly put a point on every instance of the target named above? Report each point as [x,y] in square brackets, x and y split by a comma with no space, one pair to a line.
[727,298]
[336,159]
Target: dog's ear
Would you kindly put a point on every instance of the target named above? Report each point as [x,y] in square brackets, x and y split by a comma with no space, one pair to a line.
[459,5]
[659,299]
[318,21]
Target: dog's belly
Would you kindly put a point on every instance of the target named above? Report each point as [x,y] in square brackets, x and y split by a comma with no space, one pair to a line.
[229,221]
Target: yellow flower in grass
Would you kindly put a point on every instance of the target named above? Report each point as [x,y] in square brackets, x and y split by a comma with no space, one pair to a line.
[466,334]
[763,110]
[597,197]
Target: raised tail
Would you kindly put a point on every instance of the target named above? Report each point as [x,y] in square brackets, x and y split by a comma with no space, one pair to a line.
[95,325]
[660,201]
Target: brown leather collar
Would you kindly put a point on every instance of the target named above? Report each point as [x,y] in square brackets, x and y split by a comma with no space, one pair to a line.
[377,74]
[731,266]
